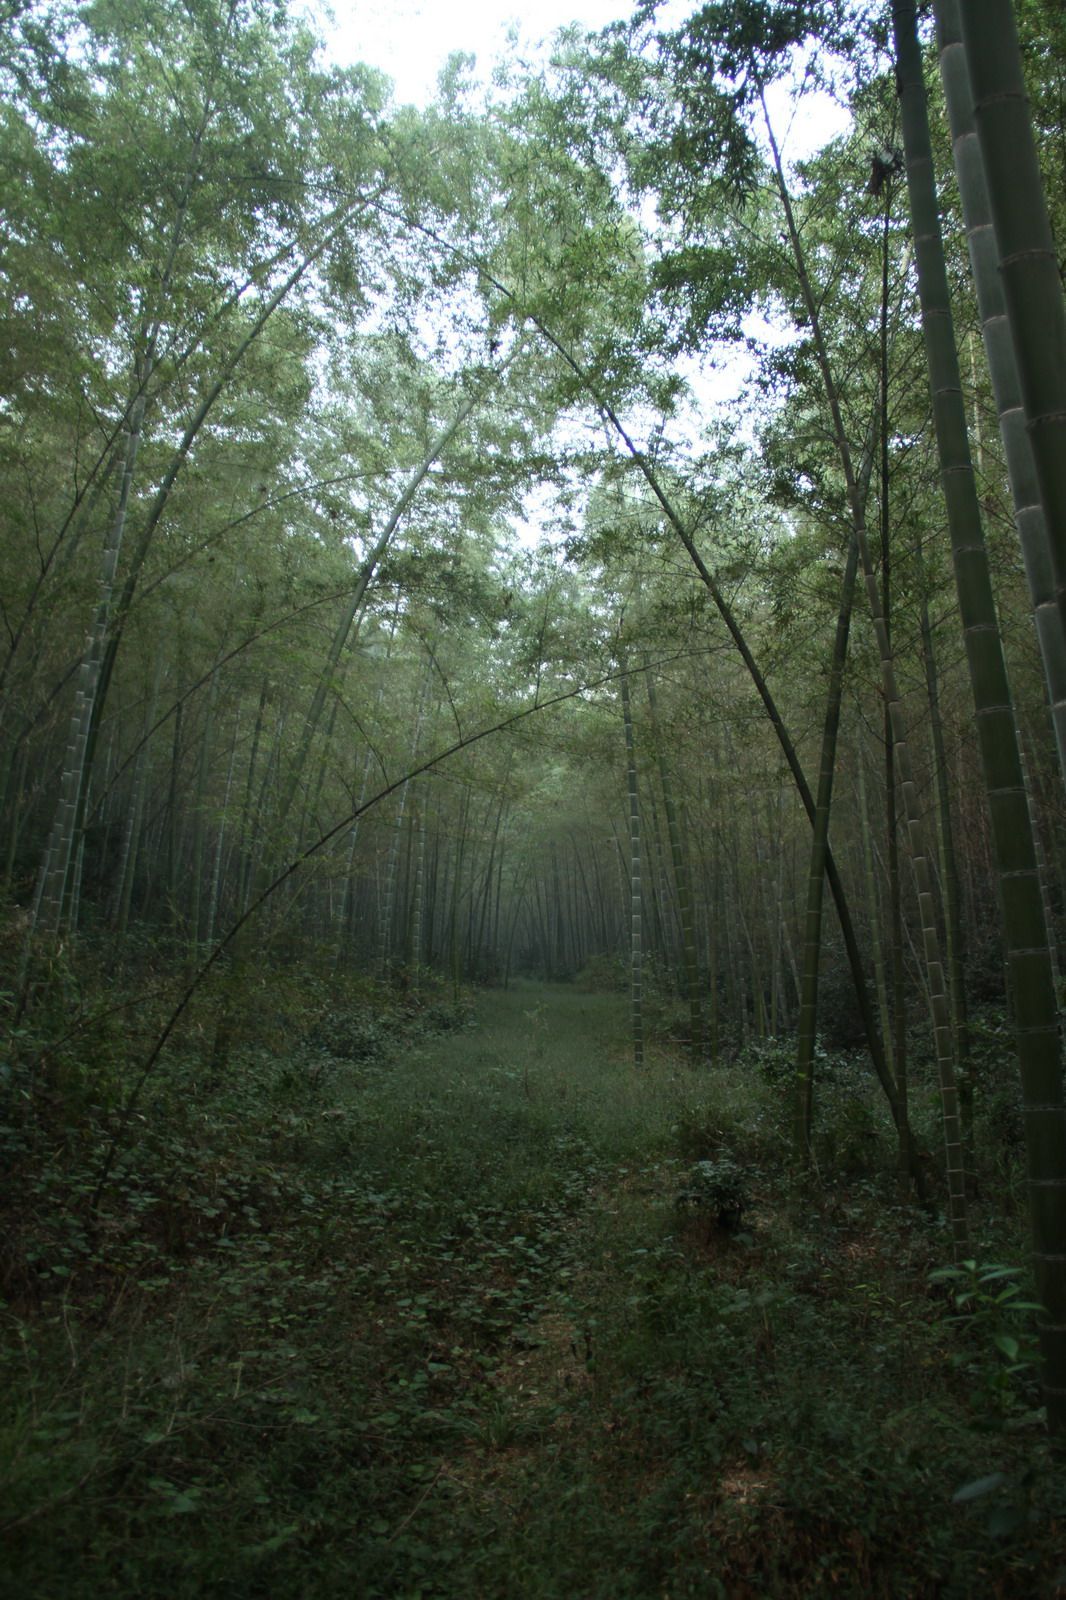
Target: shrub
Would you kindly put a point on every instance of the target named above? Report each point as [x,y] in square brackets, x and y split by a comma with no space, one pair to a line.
[718,1191]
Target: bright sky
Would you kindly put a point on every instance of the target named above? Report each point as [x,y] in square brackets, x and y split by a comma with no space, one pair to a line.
[412,39]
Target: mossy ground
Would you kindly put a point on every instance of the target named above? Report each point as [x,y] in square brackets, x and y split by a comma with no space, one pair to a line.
[430,1322]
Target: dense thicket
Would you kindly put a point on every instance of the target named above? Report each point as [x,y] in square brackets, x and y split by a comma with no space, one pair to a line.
[278,388]
[509,538]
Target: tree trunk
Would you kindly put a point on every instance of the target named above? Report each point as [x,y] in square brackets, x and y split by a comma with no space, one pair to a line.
[1028,957]
[1002,365]
[1026,248]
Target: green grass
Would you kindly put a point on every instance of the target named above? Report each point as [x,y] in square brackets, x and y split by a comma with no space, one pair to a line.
[431,1322]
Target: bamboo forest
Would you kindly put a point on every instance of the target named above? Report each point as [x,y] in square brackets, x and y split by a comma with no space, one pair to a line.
[532,810]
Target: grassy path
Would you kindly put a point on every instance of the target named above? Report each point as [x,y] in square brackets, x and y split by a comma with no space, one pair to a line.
[436,1326]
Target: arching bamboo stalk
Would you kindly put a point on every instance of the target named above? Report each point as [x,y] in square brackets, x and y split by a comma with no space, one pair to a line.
[919,854]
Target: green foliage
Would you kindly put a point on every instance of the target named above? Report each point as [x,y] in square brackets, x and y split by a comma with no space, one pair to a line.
[381,1284]
[995,1317]
[429,1316]
[352,1034]
[718,1190]
[734,1111]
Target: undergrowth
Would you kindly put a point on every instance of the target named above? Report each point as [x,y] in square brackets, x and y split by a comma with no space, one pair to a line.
[408,1304]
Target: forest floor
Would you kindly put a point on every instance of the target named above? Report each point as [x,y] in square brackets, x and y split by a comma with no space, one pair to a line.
[456,1319]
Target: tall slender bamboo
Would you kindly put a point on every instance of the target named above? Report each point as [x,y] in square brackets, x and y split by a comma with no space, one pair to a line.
[123,890]
[55,868]
[806,1027]
[244,828]
[682,880]
[876,918]
[896,1038]
[363,579]
[1026,248]
[97,668]
[636,949]
[919,854]
[658,899]
[418,901]
[385,930]
[455,946]
[173,824]
[1002,365]
[762,688]
[388,899]
[956,945]
[338,222]
[215,884]
[199,827]
[714,900]
[1025,933]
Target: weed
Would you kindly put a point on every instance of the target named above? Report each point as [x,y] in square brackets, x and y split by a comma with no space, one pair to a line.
[997,1320]
[717,1191]
[423,1322]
